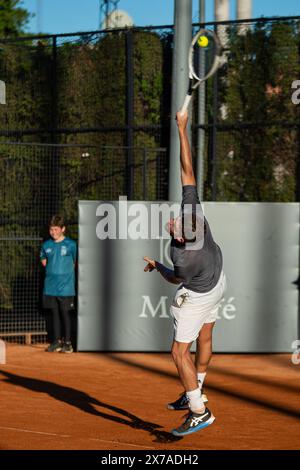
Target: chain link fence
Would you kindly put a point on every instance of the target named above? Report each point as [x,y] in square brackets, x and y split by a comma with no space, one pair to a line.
[43,179]
[252,125]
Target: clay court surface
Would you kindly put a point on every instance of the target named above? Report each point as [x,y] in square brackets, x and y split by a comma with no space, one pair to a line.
[117,401]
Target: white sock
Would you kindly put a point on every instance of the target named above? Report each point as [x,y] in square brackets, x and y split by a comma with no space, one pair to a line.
[195,401]
[201,378]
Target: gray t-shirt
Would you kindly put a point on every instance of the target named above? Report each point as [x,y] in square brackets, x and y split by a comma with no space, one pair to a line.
[201,268]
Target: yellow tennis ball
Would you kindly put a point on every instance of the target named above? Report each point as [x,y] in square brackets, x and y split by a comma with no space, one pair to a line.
[202,41]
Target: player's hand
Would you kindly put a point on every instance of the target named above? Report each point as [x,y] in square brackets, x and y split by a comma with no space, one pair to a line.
[182,120]
[151,264]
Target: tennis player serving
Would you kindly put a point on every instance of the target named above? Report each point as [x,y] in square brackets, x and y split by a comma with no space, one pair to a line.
[198,263]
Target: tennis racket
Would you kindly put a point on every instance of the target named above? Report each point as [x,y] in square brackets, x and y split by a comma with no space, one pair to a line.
[204,59]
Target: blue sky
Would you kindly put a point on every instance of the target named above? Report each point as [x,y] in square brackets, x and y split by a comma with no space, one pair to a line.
[64,16]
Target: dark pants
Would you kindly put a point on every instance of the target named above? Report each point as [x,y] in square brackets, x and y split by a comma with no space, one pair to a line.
[60,308]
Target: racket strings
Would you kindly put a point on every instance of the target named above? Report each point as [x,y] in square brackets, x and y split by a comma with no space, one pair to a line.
[203,58]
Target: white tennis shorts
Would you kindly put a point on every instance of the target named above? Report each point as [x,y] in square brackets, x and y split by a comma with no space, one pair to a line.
[195,310]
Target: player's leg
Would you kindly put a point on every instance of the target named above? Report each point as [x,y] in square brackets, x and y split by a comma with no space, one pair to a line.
[65,305]
[197,319]
[199,416]
[202,359]
[204,340]
[186,326]
[203,353]
[187,373]
[186,330]
[204,348]
[185,365]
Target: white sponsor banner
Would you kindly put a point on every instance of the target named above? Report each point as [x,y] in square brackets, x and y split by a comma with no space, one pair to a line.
[122,308]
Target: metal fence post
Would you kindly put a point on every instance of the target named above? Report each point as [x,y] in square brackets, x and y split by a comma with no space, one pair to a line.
[129,114]
[214,183]
[182,40]
[201,115]
[54,202]
[297,199]
[54,90]
[145,175]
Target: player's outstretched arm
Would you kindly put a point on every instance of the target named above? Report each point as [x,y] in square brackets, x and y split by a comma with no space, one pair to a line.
[187,172]
[166,273]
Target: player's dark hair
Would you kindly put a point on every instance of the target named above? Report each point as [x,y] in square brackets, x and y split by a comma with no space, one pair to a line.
[57,221]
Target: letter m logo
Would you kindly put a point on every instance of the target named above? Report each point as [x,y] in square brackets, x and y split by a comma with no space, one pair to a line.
[148,308]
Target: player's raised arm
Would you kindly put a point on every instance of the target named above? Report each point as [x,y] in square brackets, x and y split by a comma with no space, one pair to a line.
[186,163]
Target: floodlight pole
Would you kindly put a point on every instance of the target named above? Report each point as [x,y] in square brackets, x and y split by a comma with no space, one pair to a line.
[182,40]
[201,117]
[106,8]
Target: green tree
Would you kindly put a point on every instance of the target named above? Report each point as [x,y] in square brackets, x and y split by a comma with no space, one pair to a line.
[257,155]
[13,18]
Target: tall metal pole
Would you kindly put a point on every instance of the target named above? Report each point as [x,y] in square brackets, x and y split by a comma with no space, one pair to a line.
[106,13]
[243,9]
[54,202]
[182,40]
[222,13]
[213,156]
[243,12]
[129,113]
[106,8]
[201,116]
[54,90]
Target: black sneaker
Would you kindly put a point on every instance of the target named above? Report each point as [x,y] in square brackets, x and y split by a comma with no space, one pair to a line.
[56,346]
[182,403]
[67,347]
[194,422]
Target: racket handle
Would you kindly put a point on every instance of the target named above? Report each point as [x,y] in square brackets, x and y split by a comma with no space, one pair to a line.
[186,104]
